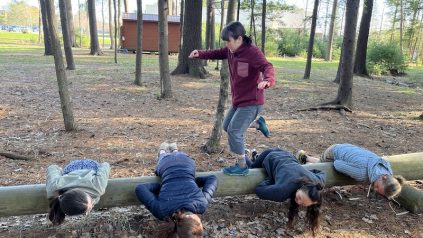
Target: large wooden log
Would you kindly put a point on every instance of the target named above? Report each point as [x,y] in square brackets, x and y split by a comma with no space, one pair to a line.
[31,199]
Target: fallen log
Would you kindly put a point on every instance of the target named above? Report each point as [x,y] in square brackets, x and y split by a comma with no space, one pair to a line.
[31,199]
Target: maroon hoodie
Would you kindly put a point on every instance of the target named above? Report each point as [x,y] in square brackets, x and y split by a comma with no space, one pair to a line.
[247,66]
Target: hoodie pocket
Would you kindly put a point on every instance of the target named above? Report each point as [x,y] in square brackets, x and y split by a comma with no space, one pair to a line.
[242,69]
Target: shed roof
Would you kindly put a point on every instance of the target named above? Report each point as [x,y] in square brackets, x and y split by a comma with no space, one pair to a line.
[149,17]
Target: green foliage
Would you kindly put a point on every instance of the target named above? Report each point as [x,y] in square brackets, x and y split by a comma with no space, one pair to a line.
[292,43]
[21,13]
[383,58]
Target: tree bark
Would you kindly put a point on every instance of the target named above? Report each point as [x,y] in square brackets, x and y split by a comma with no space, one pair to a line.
[344,96]
[208,23]
[31,199]
[116,30]
[102,21]
[166,84]
[329,51]
[125,5]
[112,38]
[324,36]
[360,67]
[48,50]
[138,58]
[71,25]
[80,25]
[181,26]
[65,98]
[213,144]
[66,35]
[94,45]
[263,28]
[311,40]
[191,41]
[222,20]
[119,11]
[401,24]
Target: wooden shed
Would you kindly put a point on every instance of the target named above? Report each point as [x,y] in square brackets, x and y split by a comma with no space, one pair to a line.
[150,34]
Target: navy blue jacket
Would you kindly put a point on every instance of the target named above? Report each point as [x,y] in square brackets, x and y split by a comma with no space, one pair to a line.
[284,172]
[179,189]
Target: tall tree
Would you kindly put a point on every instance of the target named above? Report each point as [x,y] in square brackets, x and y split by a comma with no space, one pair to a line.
[119,17]
[311,40]
[165,82]
[48,50]
[222,20]
[65,98]
[138,60]
[181,26]
[263,27]
[66,35]
[112,38]
[360,67]
[213,144]
[328,56]
[209,24]
[102,20]
[401,23]
[94,45]
[125,5]
[71,25]
[344,96]
[116,24]
[80,25]
[191,41]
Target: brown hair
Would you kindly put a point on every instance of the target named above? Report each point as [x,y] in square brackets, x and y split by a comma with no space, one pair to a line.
[392,186]
[67,202]
[180,226]
[314,191]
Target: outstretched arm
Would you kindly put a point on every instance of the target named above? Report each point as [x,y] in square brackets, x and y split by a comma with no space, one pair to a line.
[267,190]
[209,184]
[147,194]
[54,172]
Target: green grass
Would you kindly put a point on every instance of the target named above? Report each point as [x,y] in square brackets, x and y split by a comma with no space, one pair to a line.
[415,74]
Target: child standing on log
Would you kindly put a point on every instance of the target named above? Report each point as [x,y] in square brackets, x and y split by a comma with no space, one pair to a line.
[180,198]
[250,74]
[76,189]
[361,165]
[287,179]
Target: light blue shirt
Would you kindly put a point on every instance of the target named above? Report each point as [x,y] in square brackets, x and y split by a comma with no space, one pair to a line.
[358,163]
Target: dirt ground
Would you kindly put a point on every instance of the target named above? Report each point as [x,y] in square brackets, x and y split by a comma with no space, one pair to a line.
[124,124]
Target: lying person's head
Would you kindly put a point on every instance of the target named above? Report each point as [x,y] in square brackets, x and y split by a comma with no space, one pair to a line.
[309,195]
[181,224]
[68,202]
[388,185]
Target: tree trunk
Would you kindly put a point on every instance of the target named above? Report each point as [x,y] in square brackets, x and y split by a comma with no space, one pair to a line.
[401,23]
[360,67]
[116,30]
[80,25]
[95,46]
[66,35]
[125,5]
[263,28]
[48,50]
[394,20]
[328,56]
[65,98]
[138,60]
[71,25]
[181,27]
[344,96]
[237,11]
[252,18]
[222,20]
[191,41]
[213,144]
[119,11]
[311,40]
[324,36]
[208,23]
[102,19]
[305,17]
[112,38]
[120,191]
[166,84]
[39,23]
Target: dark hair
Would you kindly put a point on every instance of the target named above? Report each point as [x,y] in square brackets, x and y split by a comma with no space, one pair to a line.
[67,202]
[178,225]
[314,191]
[235,29]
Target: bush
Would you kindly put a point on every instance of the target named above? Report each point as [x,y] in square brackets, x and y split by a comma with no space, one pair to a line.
[383,58]
[292,43]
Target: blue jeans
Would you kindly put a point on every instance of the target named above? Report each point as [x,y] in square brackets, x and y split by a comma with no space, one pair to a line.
[236,123]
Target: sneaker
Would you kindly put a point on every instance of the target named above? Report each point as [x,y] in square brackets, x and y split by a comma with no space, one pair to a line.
[254,155]
[172,147]
[236,170]
[263,126]
[163,146]
[301,157]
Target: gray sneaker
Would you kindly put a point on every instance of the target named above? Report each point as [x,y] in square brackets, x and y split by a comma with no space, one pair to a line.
[172,147]
[163,146]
